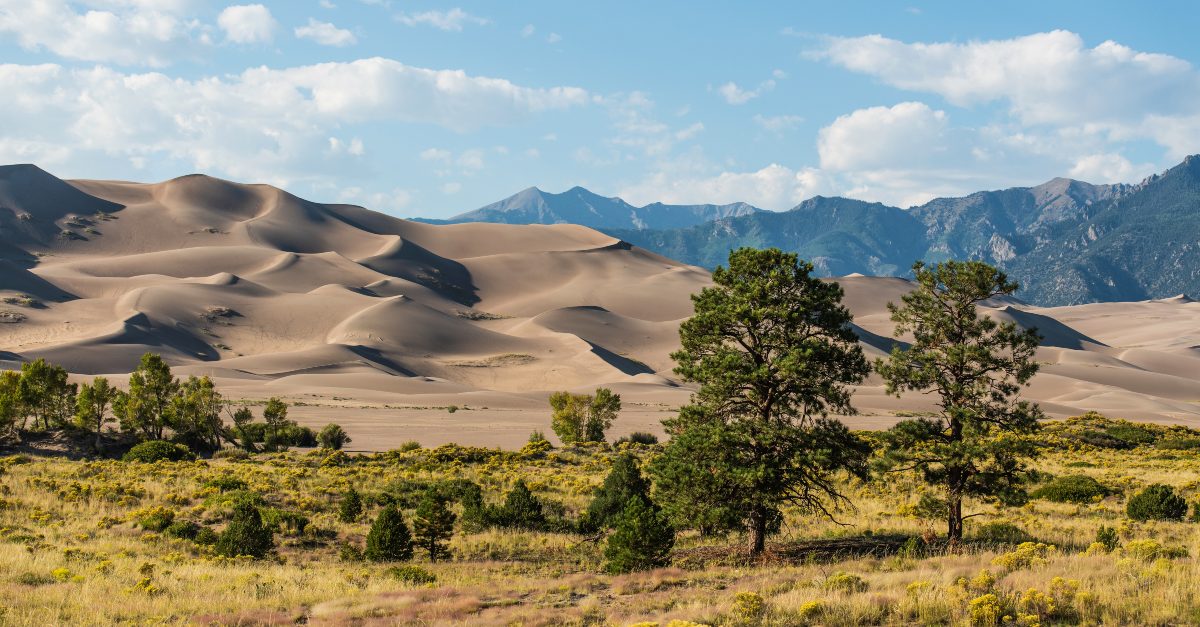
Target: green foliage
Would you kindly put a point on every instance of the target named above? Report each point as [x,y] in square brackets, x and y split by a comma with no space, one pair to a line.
[275,417]
[245,534]
[156,519]
[1001,533]
[1072,489]
[411,574]
[581,417]
[11,407]
[1107,536]
[433,525]
[476,515]
[194,415]
[1156,502]
[536,436]
[976,447]
[521,510]
[190,530]
[844,582]
[158,450]
[333,437]
[46,395]
[92,407]
[639,437]
[226,483]
[774,352]
[623,482]
[145,408]
[351,507]
[643,538]
[389,539]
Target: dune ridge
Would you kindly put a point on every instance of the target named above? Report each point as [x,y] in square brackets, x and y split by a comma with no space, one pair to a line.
[273,294]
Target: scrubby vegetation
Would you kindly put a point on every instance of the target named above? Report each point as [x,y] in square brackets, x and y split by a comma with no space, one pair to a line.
[758,511]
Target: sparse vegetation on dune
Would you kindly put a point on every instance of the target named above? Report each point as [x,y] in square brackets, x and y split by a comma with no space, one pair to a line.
[759,511]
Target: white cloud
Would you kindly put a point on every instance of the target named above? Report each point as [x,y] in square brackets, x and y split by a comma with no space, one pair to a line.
[452,20]
[1045,78]
[326,4]
[451,188]
[263,124]
[553,38]
[528,31]
[774,187]
[247,23]
[689,132]
[735,95]
[1109,168]
[325,34]
[881,136]
[122,32]
[779,123]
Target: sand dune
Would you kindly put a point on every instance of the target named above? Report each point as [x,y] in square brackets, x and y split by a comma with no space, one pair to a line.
[352,311]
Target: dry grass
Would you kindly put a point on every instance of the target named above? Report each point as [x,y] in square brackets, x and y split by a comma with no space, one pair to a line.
[71,553]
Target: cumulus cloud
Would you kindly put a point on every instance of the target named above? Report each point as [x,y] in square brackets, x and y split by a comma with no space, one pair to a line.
[452,20]
[229,125]
[125,33]
[247,23]
[325,34]
[1045,79]
[774,187]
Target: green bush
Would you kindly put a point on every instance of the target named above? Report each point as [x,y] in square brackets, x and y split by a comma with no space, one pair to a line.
[844,582]
[333,437]
[1072,489]
[1179,443]
[1107,536]
[226,483]
[351,507]
[411,574]
[1157,502]
[389,539]
[643,538]
[623,482]
[639,437]
[159,450]
[245,534]
[522,510]
[157,519]
[183,529]
[1001,533]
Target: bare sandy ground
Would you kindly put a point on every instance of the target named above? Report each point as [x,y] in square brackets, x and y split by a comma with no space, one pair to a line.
[381,324]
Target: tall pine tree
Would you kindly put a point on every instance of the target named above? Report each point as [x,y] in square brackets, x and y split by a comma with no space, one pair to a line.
[976,367]
[774,352]
[433,525]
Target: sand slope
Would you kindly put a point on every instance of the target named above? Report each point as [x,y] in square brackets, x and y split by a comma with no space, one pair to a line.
[276,295]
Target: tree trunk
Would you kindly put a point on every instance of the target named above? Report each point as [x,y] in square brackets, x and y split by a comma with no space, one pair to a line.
[955,522]
[758,530]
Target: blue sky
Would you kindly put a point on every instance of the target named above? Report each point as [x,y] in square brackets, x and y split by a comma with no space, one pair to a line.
[426,109]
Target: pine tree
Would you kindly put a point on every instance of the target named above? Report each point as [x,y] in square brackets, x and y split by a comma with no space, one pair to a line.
[643,538]
[976,366]
[774,352]
[351,507]
[433,524]
[623,482]
[389,539]
[522,509]
[476,515]
[245,534]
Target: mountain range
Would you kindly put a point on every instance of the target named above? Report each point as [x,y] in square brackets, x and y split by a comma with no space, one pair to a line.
[580,206]
[1066,241]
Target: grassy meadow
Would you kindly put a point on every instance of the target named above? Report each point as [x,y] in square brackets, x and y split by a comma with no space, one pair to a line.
[78,545]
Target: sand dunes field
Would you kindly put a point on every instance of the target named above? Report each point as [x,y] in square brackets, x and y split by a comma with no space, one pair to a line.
[380,323]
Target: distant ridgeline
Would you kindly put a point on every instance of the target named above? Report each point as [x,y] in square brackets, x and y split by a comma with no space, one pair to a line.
[1066,241]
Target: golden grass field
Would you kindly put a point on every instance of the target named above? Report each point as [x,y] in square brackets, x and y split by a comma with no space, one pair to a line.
[71,552]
